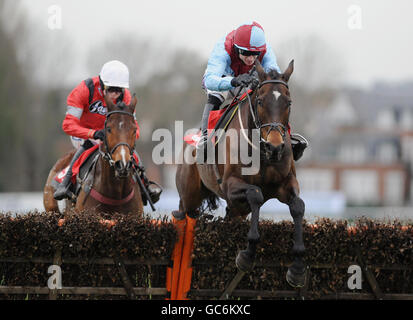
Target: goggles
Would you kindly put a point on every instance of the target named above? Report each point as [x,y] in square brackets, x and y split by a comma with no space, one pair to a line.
[249,53]
[114,89]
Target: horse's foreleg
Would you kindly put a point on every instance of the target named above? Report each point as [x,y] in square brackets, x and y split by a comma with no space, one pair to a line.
[297,271]
[255,200]
[239,191]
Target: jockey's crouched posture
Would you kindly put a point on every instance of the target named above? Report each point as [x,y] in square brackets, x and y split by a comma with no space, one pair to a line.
[231,59]
[86,114]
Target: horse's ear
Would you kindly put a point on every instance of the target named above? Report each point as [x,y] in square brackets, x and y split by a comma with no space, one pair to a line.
[287,73]
[261,73]
[109,103]
[133,102]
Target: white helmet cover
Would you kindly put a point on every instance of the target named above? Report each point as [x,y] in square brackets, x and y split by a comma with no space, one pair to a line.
[115,74]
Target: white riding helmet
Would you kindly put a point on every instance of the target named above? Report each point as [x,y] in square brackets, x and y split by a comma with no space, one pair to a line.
[115,74]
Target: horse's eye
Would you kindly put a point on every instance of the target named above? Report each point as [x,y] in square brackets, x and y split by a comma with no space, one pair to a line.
[109,130]
[259,102]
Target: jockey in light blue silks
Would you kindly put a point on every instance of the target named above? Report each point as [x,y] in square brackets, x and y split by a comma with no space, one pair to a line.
[229,63]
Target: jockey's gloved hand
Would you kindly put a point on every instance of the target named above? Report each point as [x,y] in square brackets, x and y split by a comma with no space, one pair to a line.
[255,82]
[100,134]
[243,79]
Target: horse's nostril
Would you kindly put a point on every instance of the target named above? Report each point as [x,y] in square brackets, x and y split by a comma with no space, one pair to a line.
[118,165]
[275,152]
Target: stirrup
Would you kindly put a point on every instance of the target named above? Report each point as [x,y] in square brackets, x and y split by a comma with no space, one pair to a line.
[63,193]
[202,142]
[154,192]
[299,138]
[299,145]
[202,149]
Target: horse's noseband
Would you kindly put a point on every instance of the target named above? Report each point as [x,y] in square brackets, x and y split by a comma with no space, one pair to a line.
[108,154]
[275,126]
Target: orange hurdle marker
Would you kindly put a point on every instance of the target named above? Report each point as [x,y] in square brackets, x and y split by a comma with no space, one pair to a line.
[172,272]
[185,272]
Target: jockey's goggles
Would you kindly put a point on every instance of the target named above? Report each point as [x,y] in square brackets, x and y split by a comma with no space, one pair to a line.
[114,89]
[249,53]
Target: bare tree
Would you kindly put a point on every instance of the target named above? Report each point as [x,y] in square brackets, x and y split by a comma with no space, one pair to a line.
[143,57]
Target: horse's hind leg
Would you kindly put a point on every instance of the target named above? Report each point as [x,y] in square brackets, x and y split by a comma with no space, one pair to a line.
[188,184]
[49,202]
[238,190]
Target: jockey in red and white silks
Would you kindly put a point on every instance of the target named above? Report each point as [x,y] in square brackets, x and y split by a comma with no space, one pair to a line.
[83,118]
[86,114]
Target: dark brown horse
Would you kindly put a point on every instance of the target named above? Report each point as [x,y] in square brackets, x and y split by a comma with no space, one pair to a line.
[267,110]
[112,188]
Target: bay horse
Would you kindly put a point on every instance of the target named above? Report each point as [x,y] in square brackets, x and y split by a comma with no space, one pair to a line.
[267,110]
[111,188]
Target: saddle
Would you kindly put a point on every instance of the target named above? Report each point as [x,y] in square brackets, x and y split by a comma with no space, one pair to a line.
[219,119]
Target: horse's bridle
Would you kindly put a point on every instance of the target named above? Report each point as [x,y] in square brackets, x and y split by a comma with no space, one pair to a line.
[281,128]
[108,154]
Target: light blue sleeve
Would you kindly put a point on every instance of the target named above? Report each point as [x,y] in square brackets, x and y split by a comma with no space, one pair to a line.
[218,64]
[270,61]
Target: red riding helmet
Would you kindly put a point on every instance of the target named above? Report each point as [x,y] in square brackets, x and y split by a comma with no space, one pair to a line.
[250,37]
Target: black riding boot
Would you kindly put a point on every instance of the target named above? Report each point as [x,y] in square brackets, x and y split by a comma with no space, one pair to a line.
[212,104]
[298,143]
[153,188]
[62,190]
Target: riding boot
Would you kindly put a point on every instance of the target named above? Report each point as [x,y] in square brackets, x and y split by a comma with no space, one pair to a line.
[298,143]
[212,104]
[62,190]
[154,189]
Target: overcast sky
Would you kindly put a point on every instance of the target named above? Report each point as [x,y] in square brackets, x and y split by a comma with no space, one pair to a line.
[373,39]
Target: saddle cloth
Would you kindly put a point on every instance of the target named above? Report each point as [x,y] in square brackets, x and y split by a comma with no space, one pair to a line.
[81,169]
[77,165]
[82,165]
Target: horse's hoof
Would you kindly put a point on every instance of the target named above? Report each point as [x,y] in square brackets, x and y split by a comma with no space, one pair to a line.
[296,280]
[244,262]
